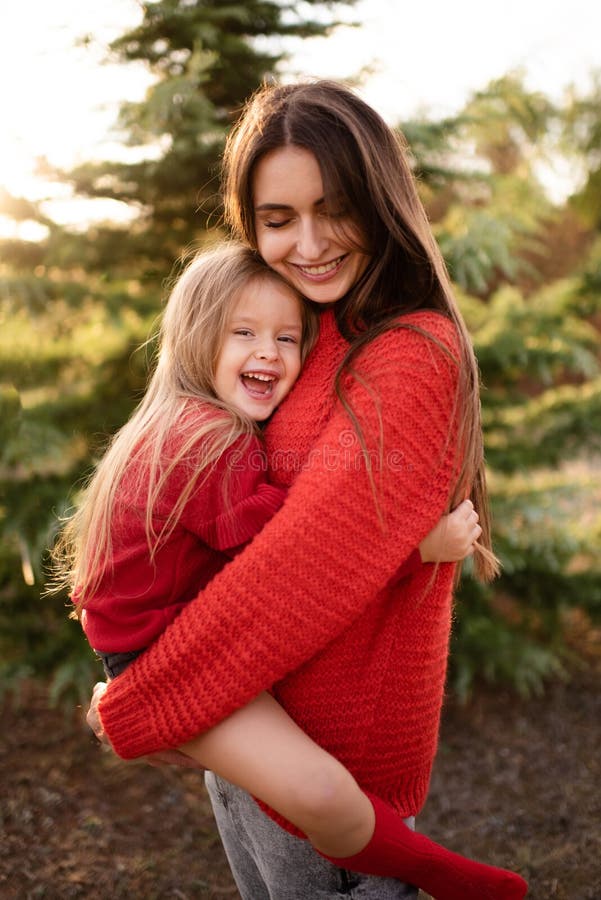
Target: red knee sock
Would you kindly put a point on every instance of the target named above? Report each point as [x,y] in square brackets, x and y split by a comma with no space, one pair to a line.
[395,851]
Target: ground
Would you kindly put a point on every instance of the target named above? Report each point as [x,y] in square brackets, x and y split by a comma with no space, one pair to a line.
[516,783]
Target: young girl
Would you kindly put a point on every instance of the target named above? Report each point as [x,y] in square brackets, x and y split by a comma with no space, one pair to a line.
[183,484]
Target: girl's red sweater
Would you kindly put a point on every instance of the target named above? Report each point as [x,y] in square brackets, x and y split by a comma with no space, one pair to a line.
[138,596]
[312,606]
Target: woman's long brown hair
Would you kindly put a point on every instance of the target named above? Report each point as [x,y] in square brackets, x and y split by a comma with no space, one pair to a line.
[365,170]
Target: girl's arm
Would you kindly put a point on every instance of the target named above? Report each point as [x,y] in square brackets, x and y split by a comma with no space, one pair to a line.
[234,502]
[317,564]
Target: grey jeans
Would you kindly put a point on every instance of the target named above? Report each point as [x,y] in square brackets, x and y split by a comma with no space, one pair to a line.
[268,863]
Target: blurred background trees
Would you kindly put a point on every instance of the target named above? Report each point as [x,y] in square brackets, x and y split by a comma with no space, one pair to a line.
[76,305]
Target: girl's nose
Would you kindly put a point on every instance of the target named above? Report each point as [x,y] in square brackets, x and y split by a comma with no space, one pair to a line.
[268,350]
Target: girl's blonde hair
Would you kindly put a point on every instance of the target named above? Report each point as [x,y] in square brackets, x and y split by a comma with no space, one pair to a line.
[365,170]
[189,341]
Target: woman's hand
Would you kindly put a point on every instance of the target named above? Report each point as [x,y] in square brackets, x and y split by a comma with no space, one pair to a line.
[453,538]
[164,758]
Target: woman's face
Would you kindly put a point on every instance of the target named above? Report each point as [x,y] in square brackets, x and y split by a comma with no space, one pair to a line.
[313,248]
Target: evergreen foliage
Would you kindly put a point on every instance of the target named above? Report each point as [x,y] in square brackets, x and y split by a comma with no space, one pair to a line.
[532,303]
[207,58]
[75,307]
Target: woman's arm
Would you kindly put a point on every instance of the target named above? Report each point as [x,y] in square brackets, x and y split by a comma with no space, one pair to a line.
[316,565]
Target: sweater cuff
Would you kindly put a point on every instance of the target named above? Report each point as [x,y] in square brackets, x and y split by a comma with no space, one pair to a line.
[119,710]
[242,522]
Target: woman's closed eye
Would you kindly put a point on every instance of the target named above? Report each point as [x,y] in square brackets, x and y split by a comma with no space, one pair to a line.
[339,212]
[270,223]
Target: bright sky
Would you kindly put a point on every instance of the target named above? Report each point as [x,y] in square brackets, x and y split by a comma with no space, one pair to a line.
[59,100]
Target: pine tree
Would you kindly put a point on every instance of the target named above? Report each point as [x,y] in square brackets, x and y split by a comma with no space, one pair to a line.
[75,307]
[207,58]
[527,273]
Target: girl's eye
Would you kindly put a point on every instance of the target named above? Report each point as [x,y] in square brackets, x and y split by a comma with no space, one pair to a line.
[243,332]
[288,339]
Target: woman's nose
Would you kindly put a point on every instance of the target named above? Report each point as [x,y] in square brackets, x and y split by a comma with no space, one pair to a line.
[312,238]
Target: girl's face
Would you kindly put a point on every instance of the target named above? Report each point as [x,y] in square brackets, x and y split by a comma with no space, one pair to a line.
[310,246]
[260,356]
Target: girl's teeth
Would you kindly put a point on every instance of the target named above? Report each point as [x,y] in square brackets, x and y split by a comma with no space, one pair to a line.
[258,377]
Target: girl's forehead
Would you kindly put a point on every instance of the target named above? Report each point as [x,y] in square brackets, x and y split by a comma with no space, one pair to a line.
[262,296]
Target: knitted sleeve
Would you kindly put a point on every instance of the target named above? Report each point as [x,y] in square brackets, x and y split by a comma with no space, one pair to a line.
[408,566]
[340,536]
[235,501]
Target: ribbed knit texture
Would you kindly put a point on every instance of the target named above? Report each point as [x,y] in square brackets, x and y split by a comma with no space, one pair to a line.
[312,605]
[137,597]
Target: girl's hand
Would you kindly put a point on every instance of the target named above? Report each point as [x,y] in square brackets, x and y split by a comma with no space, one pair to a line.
[453,538]
[93,716]
[166,757]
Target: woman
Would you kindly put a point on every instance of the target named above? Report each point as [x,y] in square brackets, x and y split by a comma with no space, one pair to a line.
[379,438]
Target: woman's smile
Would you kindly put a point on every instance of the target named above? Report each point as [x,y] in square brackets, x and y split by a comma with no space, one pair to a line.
[323,271]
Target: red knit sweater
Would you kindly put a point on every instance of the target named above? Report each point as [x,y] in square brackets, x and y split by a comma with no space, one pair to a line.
[137,598]
[312,605]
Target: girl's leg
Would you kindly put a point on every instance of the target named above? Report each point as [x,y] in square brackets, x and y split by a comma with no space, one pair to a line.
[262,750]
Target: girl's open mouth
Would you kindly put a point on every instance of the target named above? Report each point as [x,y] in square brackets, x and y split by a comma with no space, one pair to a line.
[259,384]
